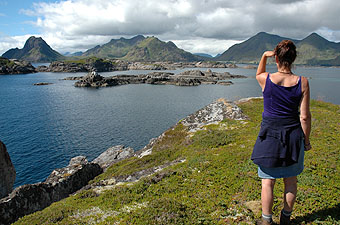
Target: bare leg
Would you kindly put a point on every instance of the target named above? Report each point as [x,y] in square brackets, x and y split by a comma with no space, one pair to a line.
[267,196]
[290,193]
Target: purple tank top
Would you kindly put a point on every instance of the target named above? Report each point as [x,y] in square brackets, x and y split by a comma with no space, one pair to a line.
[280,101]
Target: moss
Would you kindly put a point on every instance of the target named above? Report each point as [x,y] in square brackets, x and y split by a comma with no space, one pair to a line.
[215,182]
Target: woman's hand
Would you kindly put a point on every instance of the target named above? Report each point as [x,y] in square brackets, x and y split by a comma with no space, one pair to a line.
[307,146]
[262,65]
[269,54]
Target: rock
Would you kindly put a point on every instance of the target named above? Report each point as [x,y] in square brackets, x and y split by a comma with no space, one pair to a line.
[146,66]
[213,113]
[42,83]
[78,160]
[74,78]
[226,83]
[42,69]
[196,73]
[250,67]
[113,155]
[60,184]
[87,65]
[187,82]
[7,172]
[14,66]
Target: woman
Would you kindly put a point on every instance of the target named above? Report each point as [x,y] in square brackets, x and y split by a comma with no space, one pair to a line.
[284,134]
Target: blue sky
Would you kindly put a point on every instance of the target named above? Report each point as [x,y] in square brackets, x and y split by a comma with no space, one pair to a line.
[208,26]
[13,21]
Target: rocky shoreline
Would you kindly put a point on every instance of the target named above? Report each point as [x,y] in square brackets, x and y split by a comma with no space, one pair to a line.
[109,65]
[62,182]
[186,78]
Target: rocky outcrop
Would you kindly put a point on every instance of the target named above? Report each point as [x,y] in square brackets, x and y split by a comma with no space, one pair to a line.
[113,155]
[187,78]
[146,66]
[7,172]
[61,183]
[213,113]
[86,65]
[14,66]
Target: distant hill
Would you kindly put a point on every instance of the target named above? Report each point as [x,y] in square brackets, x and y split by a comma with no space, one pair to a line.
[35,50]
[312,50]
[204,55]
[116,48]
[73,54]
[153,49]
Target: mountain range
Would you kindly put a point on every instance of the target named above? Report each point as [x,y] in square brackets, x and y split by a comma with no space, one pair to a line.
[140,48]
[312,50]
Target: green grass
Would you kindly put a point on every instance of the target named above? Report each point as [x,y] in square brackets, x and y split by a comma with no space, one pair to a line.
[214,183]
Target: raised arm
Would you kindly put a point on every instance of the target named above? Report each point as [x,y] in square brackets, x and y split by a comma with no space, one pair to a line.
[261,74]
[305,115]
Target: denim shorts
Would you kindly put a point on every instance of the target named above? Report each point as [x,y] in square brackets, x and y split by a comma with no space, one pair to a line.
[284,172]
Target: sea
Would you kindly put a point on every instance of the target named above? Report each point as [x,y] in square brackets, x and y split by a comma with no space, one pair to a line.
[43,127]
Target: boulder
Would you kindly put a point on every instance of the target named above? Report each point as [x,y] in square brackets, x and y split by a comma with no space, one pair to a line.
[213,113]
[7,172]
[113,155]
[60,184]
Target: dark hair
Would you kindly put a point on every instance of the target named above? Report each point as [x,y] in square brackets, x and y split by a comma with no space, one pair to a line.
[286,53]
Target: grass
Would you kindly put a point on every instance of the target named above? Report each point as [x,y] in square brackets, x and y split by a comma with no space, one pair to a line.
[215,182]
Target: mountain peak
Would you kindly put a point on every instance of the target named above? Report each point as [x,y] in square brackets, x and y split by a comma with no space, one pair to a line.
[34,50]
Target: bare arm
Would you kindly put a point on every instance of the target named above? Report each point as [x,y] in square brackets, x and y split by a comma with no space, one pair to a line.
[305,115]
[261,74]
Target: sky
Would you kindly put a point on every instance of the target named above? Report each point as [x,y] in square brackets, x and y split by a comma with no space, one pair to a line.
[197,26]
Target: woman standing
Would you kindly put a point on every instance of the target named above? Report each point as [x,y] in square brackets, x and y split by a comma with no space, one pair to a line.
[285,129]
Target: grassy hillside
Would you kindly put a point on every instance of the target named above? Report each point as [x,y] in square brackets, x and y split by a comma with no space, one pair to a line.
[216,183]
[116,48]
[153,49]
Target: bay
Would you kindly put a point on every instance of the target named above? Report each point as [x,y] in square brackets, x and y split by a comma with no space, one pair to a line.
[43,127]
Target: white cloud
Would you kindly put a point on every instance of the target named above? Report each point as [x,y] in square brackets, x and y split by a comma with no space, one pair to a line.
[205,45]
[7,42]
[195,25]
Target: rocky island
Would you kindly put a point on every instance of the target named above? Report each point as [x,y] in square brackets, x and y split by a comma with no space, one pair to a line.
[14,66]
[186,78]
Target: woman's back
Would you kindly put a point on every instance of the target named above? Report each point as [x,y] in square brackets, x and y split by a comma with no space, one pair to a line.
[282,95]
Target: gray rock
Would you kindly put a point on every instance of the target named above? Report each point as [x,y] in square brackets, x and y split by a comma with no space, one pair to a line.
[113,155]
[60,184]
[213,113]
[7,172]
[14,66]
[78,160]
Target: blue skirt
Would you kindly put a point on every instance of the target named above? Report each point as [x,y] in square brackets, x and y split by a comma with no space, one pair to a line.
[284,172]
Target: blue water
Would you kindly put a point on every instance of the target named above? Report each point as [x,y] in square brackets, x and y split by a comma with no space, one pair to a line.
[44,126]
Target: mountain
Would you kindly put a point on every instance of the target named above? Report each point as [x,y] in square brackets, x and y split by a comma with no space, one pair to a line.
[203,55]
[312,50]
[153,49]
[250,50]
[35,50]
[73,54]
[316,50]
[140,48]
[116,48]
